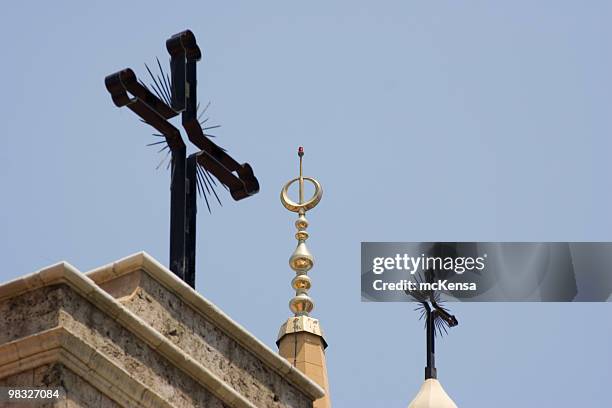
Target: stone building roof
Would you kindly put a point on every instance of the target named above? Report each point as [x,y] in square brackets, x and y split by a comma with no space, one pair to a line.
[132,334]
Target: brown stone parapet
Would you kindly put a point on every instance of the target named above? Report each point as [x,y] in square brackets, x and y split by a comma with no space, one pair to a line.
[162,299]
[91,295]
[137,336]
[59,346]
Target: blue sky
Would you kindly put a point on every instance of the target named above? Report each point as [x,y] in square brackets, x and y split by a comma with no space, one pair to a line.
[424,121]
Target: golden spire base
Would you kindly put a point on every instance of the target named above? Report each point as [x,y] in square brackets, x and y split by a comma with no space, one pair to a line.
[299,324]
[301,346]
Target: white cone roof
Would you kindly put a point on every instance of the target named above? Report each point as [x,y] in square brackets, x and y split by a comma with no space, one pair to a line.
[432,395]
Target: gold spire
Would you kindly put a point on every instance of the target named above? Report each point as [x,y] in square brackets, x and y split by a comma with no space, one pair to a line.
[301,261]
[300,339]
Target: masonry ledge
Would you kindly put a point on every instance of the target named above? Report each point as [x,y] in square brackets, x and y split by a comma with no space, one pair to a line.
[63,272]
[165,277]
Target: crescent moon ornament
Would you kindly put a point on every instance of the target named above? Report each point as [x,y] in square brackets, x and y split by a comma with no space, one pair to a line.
[305,206]
[301,206]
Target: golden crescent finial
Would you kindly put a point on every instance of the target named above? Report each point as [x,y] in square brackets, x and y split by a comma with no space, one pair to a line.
[301,206]
[301,261]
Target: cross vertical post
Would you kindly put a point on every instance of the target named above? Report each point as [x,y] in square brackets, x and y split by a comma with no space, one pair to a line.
[430,369]
[177,213]
[190,221]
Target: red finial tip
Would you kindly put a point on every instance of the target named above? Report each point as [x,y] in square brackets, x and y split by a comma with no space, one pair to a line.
[301,151]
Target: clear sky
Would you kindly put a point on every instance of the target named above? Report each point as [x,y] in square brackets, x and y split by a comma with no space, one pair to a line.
[424,121]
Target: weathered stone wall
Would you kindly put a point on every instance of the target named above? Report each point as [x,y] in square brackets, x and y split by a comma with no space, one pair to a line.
[59,305]
[127,351]
[164,348]
[29,313]
[195,335]
[78,392]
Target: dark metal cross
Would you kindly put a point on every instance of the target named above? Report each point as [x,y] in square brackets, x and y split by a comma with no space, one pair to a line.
[437,316]
[239,179]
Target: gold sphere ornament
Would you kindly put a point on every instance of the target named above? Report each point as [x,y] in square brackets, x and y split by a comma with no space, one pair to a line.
[301,304]
[301,283]
[301,260]
[301,235]
[301,223]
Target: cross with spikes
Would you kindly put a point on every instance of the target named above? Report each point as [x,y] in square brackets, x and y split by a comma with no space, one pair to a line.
[437,316]
[189,174]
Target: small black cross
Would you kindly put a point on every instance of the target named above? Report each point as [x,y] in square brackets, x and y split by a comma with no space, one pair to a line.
[239,179]
[437,316]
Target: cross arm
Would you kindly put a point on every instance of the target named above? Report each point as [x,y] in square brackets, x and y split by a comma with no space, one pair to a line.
[144,103]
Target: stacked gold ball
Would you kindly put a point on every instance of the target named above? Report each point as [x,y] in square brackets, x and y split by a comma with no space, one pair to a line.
[301,261]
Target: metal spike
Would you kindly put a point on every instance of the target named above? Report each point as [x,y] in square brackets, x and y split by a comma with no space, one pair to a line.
[169,82]
[143,84]
[205,198]
[160,95]
[163,160]
[437,330]
[204,182]
[157,92]
[442,326]
[206,107]
[165,86]
[210,178]
[209,135]
[168,97]
[198,184]
[156,143]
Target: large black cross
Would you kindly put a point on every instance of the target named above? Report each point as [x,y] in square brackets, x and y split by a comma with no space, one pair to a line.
[126,90]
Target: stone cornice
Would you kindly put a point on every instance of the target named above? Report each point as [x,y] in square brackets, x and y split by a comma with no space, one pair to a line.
[143,261]
[66,273]
[61,346]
